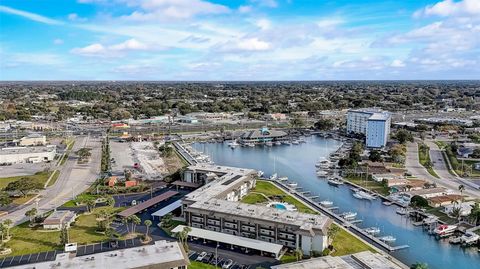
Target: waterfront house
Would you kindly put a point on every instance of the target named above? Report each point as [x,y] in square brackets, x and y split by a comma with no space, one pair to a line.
[262,135]
[443,200]
[59,219]
[465,208]
[425,193]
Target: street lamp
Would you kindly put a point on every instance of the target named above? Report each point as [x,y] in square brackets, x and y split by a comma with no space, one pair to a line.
[216,254]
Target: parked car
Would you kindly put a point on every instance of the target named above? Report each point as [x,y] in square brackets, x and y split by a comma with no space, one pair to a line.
[201,256]
[207,258]
[228,263]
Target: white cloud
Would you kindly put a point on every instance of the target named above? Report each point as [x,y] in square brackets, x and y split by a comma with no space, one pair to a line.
[115,50]
[245,9]
[397,63]
[157,10]
[130,44]
[253,44]
[451,8]
[263,24]
[58,41]
[29,15]
[90,50]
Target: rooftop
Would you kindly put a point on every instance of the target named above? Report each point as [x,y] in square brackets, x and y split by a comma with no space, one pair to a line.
[26,150]
[151,202]
[58,216]
[162,254]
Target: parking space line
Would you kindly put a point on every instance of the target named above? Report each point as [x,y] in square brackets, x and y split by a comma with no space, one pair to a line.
[3,262]
[38,256]
[29,257]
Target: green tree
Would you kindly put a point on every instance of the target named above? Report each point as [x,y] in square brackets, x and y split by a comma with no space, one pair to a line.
[8,225]
[24,186]
[474,215]
[297,122]
[5,199]
[418,201]
[375,156]
[31,214]
[166,220]
[332,232]
[135,220]
[182,236]
[403,136]
[324,124]
[84,153]
[64,238]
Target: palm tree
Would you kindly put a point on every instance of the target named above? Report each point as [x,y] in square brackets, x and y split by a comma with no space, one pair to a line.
[182,236]
[475,214]
[298,254]
[31,214]
[8,224]
[90,203]
[457,213]
[332,232]
[461,188]
[147,223]
[135,221]
[2,232]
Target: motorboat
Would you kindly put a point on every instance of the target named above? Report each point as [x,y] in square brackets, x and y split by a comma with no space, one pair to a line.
[455,240]
[335,181]
[287,143]
[388,238]
[387,203]
[278,143]
[292,184]
[372,230]
[260,173]
[322,173]
[430,220]
[326,203]
[295,142]
[274,176]
[233,144]
[349,215]
[401,211]
[360,194]
[282,178]
[250,145]
[444,230]
[268,144]
[469,238]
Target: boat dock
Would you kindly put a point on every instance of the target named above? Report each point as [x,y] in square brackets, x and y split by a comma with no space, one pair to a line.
[339,220]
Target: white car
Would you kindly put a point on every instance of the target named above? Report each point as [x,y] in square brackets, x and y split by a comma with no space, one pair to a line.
[201,256]
[228,263]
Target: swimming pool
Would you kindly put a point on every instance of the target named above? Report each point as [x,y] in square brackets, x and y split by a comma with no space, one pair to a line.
[282,206]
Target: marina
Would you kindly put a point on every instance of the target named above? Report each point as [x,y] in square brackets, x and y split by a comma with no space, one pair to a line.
[411,244]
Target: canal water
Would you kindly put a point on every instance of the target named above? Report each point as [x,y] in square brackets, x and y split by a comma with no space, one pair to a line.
[297,162]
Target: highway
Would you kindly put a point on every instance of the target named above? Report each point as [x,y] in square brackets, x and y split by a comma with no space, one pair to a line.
[74,178]
[446,180]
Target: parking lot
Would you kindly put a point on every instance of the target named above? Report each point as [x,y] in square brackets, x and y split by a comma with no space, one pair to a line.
[122,155]
[22,169]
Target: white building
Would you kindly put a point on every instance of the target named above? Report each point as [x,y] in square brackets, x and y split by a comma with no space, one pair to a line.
[59,219]
[33,140]
[28,154]
[373,123]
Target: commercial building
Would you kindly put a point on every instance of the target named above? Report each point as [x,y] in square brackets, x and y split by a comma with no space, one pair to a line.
[59,219]
[161,255]
[364,260]
[33,140]
[262,135]
[28,154]
[373,123]
[216,207]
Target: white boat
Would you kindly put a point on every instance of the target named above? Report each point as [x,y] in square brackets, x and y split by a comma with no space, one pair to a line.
[250,145]
[388,238]
[233,144]
[444,230]
[282,178]
[292,184]
[278,143]
[349,215]
[287,143]
[372,230]
[335,181]
[268,144]
[322,173]
[358,196]
[260,173]
[469,238]
[387,203]
[274,176]
[401,211]
[430,220]
[295,142]
[326,203]
[363,195]
[455,240]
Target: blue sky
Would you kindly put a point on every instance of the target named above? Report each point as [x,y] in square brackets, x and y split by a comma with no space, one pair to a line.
[239,39]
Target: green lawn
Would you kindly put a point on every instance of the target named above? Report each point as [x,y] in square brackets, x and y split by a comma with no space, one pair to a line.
[40,177]
[28,240]
[372,185]
[271,190]
[200,265]
[73,203]
[442,216]
[424,158]
[173,224]
[287,258]
[345,244]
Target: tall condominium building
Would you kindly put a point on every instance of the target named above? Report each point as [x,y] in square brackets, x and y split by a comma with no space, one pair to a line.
[216,207]
[371,122]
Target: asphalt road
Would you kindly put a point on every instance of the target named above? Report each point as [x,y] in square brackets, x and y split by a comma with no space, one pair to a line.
[74,178]
[446,180]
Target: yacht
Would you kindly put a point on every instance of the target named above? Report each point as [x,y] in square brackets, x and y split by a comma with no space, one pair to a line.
[349,215]
[287,143]
[455,240]
[469,238]
[268,144]
[250,145]
[387,203]
[278,143]
[360,194]
[292,184]
[402,211]
[388,238]
[233,144]
[322,173]
[444,230]
[282,178]
[274,176]
[295,142]
[260,173]
[326,203]
[372,230]
[335,181]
